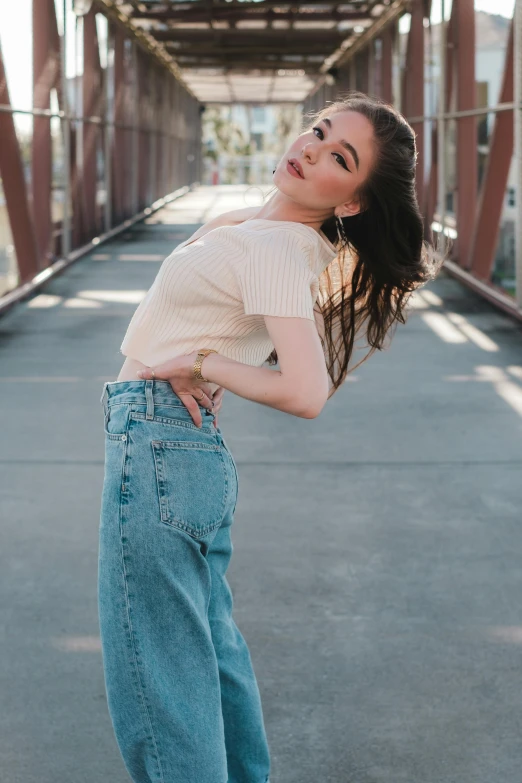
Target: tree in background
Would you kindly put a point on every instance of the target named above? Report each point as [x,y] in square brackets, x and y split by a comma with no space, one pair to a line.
[225,140]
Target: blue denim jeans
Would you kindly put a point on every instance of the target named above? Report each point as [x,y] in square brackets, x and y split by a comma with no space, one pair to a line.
[181,691]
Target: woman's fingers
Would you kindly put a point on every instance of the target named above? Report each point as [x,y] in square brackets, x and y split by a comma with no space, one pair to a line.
[218,394]
[192,395]
[193,408]
[217,398]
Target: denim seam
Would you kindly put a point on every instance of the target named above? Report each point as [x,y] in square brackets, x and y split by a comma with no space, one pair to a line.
[173,422]
[131,637]
[237,482]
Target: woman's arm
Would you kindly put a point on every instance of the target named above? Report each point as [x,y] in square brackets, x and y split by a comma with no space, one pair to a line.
[300,387]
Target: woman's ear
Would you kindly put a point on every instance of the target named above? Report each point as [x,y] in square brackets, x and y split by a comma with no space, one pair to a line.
[349,208]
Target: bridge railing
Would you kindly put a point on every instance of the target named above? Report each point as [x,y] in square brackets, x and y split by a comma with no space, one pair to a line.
[456,73]
[111,130]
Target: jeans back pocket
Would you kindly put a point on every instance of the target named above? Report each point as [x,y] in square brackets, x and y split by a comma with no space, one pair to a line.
[192,485]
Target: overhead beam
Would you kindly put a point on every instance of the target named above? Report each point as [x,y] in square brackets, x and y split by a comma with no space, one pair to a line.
[238,5]
[208,51]
[243,65]
[227,13]
[246,36]
[261,102]
[349,47]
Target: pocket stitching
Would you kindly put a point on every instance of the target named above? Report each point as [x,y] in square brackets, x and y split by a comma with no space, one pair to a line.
[121,436]
[162,490]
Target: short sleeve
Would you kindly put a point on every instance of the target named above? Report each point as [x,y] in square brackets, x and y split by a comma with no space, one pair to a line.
[276,277]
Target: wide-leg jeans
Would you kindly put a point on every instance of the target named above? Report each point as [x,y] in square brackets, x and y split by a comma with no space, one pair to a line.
[181,691]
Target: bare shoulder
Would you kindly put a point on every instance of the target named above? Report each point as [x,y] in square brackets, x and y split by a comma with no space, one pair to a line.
[232,218]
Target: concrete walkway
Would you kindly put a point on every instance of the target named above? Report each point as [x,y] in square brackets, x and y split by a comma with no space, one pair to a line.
[376,571]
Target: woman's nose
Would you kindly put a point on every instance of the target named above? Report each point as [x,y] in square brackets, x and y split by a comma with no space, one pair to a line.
[309,151]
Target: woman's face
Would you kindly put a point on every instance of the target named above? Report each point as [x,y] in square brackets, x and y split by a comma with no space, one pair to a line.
[334,158]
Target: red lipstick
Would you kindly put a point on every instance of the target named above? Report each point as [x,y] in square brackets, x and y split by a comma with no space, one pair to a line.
[294,167]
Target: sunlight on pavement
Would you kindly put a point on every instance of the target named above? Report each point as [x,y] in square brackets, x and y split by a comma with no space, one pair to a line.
[509,391]
[475,335]
[127,297]
[506,633]
[443,328]
[77,644]
[43,301]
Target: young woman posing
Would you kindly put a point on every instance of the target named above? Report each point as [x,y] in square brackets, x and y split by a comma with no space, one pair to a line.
[343,227]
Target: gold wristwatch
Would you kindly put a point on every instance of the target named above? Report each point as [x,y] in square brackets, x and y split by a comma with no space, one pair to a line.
[198,362]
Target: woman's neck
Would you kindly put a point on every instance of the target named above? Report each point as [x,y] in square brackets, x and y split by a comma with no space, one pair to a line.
[280,207]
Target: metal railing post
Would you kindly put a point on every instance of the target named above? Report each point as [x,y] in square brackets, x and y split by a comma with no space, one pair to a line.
[441,130]
[66,129]
[517,118]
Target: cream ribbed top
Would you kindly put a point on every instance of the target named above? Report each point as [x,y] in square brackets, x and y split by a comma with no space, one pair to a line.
[213,292]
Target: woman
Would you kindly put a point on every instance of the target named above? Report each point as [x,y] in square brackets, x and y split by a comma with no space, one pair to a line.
[343,227]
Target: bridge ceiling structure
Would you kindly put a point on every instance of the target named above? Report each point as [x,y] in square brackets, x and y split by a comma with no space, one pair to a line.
[240,51]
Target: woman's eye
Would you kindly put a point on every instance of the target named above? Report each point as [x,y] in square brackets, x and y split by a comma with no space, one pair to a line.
[339,158]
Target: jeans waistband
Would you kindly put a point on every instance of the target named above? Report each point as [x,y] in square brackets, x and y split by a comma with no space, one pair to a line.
[149,393]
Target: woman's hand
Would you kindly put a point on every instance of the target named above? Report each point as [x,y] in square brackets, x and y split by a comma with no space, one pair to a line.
[179,372]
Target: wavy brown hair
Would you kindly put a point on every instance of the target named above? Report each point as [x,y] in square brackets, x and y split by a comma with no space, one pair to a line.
[383,256]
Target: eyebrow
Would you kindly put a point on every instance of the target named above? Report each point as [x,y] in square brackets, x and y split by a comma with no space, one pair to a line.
[346,144]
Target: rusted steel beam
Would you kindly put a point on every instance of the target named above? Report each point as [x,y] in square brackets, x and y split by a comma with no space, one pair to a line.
[450,66]
[156,103]
[244,37]
[92,105]
[493,187]
[207,50]
[243,65]
[46,74]
[15,193]
[251,12]
[430,193]
[351,46]
[237,7]
[143,144]
[118,139]
[467,176]
[362,70]
[413,86]
[386,63]
[143,38]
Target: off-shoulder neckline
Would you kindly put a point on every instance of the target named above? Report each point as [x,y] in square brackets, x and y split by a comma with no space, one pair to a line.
[322,237]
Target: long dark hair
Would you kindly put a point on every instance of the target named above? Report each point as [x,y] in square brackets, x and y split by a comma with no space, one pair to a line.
[382,256]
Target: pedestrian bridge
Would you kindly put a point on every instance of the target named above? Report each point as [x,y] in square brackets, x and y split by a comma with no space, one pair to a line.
[376,574]
[376,570]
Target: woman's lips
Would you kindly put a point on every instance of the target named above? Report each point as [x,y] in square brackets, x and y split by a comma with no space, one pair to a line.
[292,171]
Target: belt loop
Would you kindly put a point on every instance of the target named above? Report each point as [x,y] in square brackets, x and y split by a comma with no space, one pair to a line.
[104,398]
[149,385]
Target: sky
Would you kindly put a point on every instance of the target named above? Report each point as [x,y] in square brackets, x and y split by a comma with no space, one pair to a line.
[16,31]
